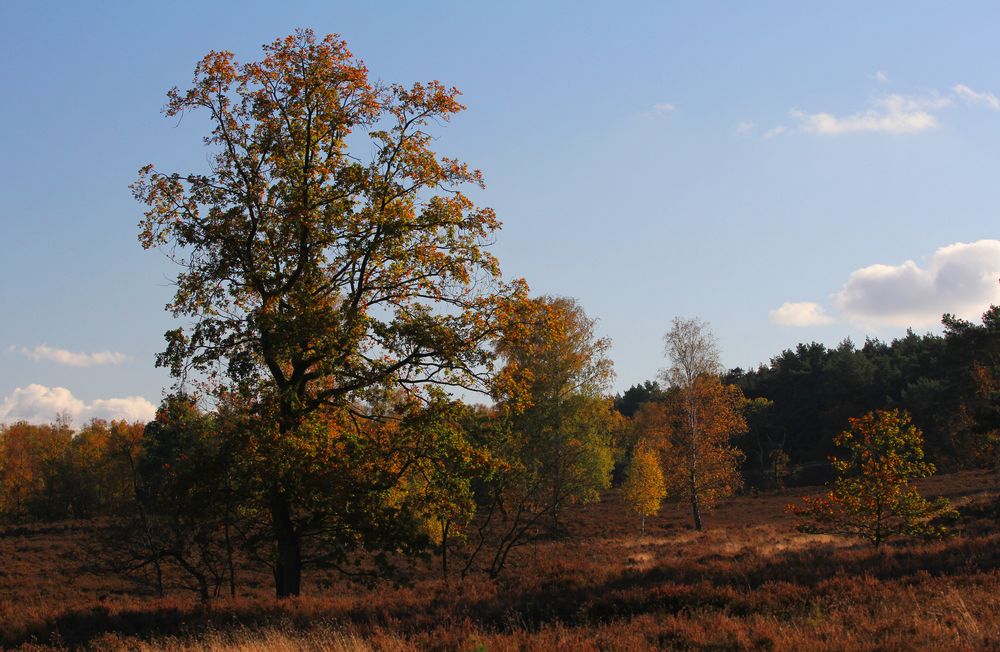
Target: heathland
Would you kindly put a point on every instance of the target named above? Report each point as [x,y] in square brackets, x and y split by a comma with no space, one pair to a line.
[749,580]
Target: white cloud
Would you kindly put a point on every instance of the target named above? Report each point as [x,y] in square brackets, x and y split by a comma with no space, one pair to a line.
[892,114]
[972,97]
[881,76]
[41,404]
[800,313]
[71,358]
[663,107]
[744,127]
[960,278]
[831,125]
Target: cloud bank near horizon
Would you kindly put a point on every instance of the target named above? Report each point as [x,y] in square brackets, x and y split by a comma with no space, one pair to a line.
[960,278]
[39,404]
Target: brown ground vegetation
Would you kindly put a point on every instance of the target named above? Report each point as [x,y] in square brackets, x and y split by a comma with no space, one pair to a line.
[748,581]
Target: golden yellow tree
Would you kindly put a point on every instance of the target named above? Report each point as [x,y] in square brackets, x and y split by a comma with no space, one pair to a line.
[644,488]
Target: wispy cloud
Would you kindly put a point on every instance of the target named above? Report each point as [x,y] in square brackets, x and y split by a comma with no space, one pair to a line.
[774,131]
[800,313]
[880,76]
[41,404]
[892,114]
[71,358]
[972,97]
[663,108]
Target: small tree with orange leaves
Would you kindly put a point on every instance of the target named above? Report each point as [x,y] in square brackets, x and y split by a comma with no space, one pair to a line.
[873,497]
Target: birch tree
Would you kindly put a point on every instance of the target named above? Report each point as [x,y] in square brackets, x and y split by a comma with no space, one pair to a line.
[644,488]
[699,419]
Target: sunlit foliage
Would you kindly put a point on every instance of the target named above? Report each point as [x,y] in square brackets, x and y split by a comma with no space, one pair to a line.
[328,256]
[873,497]
[644,488]
[695,424]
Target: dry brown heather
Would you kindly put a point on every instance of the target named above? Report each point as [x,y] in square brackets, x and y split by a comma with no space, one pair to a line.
[748,582]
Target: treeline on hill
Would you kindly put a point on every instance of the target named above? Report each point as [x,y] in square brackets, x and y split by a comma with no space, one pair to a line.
[803,398]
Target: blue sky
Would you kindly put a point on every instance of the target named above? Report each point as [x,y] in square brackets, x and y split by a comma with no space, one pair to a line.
[786,171]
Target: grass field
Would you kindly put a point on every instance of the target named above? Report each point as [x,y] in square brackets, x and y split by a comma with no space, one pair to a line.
[749,581]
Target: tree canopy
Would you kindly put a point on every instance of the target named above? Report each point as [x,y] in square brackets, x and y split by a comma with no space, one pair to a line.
[327,256]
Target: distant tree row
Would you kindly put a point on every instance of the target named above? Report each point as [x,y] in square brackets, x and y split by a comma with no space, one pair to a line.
[802,399]
[50,472]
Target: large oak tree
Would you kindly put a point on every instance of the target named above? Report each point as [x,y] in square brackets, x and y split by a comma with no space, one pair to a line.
[328,254]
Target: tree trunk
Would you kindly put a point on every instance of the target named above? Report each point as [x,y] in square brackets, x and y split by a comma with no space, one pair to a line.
[230,567]
[695,510]
[642,524]
[203,588]
[693,487]
[159,575]
[693,459]
[288,565]
[445,525]
[202,578]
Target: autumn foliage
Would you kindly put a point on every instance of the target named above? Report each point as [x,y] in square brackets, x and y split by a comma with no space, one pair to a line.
[874,497]
[333,269]
[52,472]
[694,431]
[644,488]
[338,295]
